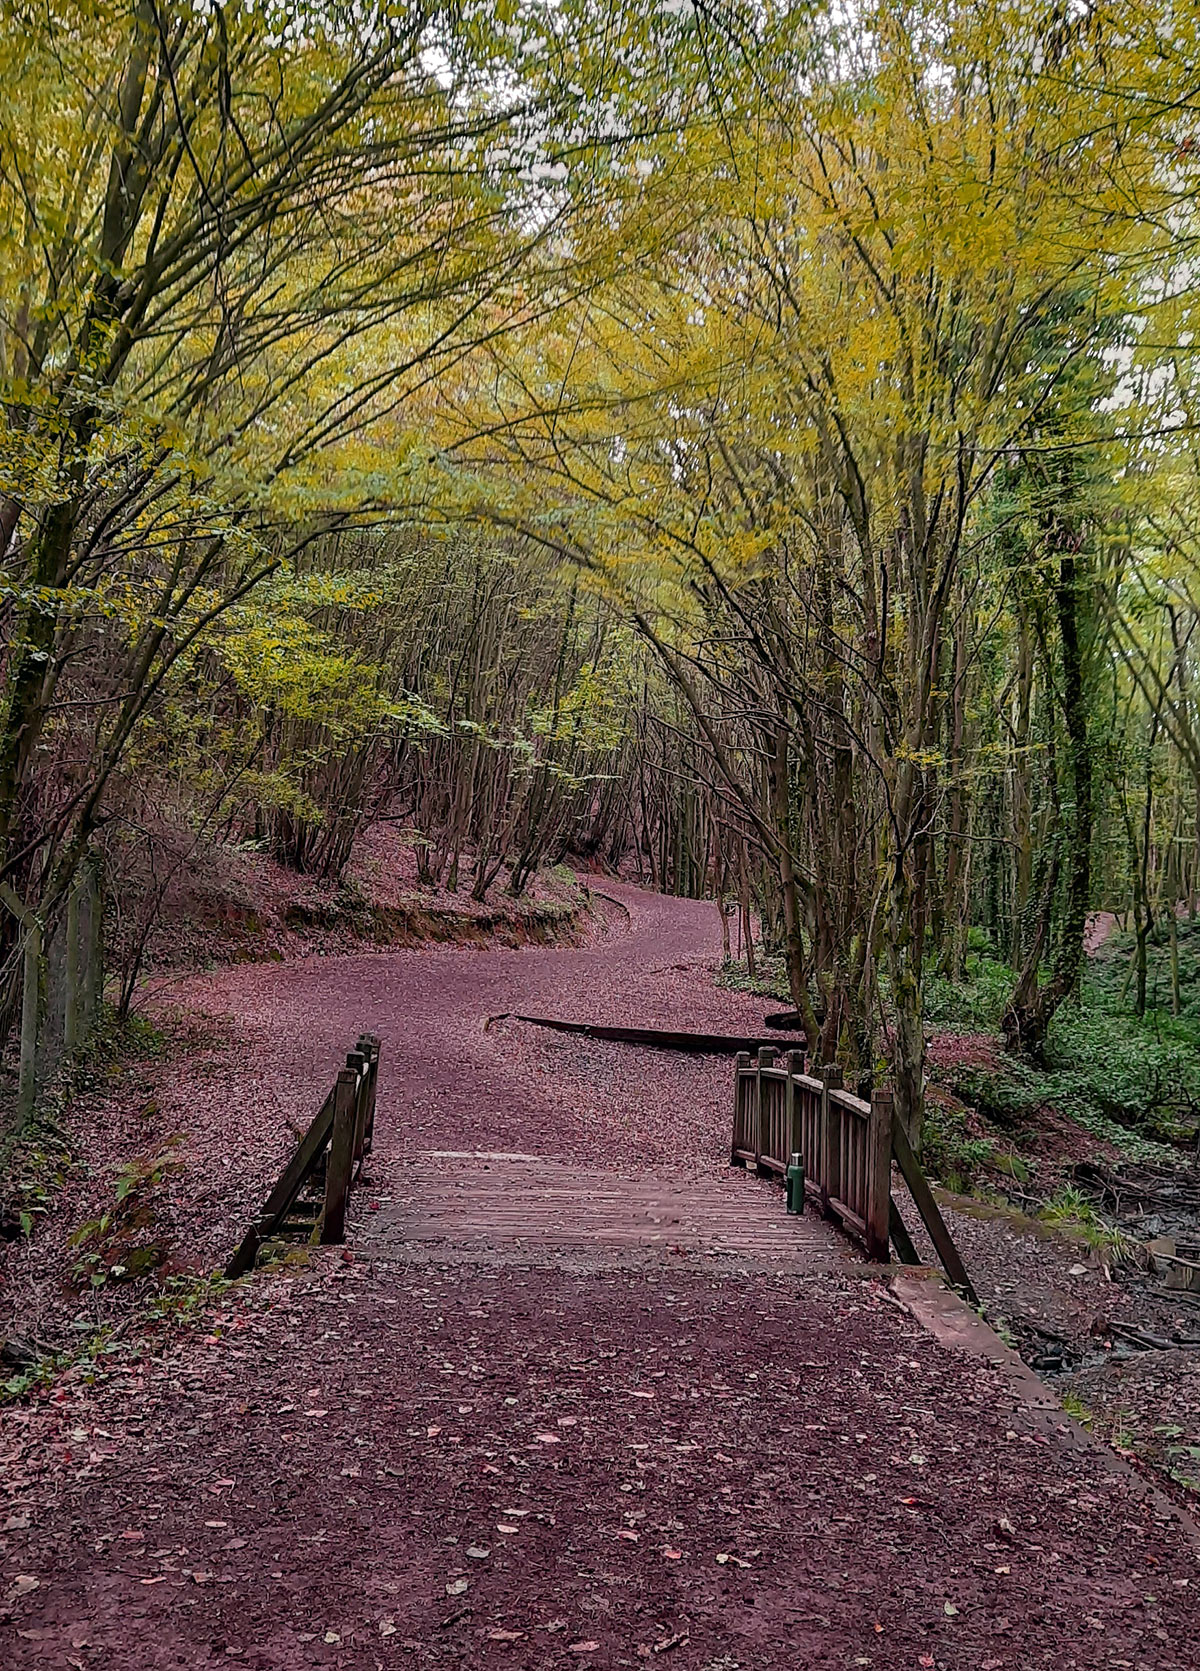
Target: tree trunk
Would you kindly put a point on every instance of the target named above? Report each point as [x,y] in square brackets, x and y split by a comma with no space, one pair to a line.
[779,785]
[1029,1014]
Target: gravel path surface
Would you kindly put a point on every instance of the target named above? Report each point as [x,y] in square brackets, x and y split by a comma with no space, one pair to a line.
[452,1080]
[391,1461]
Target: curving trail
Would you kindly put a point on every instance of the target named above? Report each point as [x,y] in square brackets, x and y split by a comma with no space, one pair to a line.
[449,1083]
[599,1407]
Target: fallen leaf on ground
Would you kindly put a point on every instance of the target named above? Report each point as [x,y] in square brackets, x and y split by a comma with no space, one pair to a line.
[505,1635]
[582,1647]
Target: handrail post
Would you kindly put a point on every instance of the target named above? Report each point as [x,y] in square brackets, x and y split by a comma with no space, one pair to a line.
[879,1174]
[831,1156]
[372,1042]
[741,1069]
[341,1157]
[762,1141]
[792,1119]
[357,1062]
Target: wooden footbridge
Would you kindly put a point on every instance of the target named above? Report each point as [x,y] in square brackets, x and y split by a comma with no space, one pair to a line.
[784,1117]
[789,1124]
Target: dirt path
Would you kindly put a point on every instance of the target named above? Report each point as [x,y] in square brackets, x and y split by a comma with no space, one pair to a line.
[609,1410]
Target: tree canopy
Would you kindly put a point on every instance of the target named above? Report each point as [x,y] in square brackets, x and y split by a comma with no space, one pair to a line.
[755,440]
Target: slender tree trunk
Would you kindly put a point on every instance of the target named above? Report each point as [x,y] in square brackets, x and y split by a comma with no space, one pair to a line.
[780,799]
[1028,1017]
[953,926]
[1021,931]
[904,940]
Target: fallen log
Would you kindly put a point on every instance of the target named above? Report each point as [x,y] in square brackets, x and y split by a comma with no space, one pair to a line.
[1152,1342]
[1177,1296]
[656,1038]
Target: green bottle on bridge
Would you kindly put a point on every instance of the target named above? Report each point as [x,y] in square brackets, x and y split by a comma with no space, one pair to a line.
[795,1183]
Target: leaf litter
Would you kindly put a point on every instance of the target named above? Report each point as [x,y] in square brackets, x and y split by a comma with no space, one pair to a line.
[754,1440]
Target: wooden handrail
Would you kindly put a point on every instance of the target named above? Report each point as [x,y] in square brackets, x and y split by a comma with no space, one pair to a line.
[341,1133]
[847,1145]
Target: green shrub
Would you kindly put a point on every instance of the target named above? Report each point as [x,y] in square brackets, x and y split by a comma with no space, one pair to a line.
[977,1003]
[1124,1081]
[1110,983]
[1118,1076]
[948,1150]
[1005,1095]
[769,981]
[1012,1166]
[1069,1209]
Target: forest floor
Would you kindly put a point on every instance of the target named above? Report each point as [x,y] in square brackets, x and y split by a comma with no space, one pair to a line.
[645,1417]
[232,904]
[1061,1191]
[1077,1316]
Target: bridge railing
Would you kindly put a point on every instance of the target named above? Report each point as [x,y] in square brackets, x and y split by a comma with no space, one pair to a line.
[846,1143]
[310,1195]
